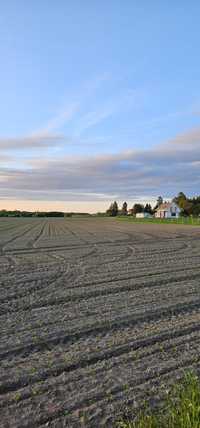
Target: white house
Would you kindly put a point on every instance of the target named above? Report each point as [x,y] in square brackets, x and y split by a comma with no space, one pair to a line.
[143,215]
[168,210]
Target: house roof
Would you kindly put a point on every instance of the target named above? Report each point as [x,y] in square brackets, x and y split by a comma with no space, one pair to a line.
[165,206]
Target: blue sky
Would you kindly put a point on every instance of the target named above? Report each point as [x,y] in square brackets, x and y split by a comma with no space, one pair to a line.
[99,100]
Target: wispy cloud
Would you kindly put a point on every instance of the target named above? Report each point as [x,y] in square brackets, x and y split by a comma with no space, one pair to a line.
[114,105]
[188,138]
[50,134]
[30,142]
[4,158]
[68,112]
[58,120]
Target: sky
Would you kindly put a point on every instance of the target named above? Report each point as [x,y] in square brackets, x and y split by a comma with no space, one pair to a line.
[100,101]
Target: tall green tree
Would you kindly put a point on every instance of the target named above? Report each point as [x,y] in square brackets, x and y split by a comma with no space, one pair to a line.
[159,200]
[148,209]
[124,210]
[137,208]
[158,203]
[113,209]
[181,200]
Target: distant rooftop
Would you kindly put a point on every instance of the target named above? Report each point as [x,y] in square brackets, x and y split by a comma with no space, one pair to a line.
[165,205]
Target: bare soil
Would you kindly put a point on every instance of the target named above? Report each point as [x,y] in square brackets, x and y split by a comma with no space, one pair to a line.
[96,316]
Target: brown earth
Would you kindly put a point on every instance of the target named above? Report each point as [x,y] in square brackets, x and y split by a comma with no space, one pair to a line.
[96,315]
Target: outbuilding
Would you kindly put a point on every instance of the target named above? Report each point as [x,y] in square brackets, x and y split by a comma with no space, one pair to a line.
[143,215]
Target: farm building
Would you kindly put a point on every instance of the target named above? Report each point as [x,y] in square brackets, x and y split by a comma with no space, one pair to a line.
[168,210]
[143,215]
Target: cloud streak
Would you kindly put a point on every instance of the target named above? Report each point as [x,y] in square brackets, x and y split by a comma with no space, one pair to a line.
[48,135]
[30,142]
[165,169]
[122,102]
[59,120]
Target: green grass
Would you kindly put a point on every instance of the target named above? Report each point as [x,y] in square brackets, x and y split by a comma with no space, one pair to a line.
[193,221]
[181,408]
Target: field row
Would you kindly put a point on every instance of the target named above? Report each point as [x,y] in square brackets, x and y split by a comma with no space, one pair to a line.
[95,315]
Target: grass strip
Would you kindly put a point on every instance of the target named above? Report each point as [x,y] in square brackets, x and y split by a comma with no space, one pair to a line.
[192,221]
[181,408]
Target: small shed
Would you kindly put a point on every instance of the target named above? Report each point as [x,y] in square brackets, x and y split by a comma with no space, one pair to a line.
[143,215]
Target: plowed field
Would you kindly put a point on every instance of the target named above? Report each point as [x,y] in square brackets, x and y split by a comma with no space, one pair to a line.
[95,315]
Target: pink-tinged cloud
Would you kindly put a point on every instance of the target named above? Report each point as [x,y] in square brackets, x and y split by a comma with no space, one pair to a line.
[166,169]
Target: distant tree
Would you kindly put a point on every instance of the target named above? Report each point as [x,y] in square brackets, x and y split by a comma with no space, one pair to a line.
[113,209]
[182,195]
[148,209]
[3,213]
[187,208]
[183,203]
[109,210]
[158,203]
[181,200]
[159,200]
[44,214]
[195,205]
[137,208]
[196,210]
[124,210]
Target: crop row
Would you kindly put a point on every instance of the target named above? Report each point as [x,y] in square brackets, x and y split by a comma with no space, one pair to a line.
[94,315]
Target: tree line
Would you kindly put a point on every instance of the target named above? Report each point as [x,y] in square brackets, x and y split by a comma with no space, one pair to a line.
[189,206]
[114,210]
[18,213]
